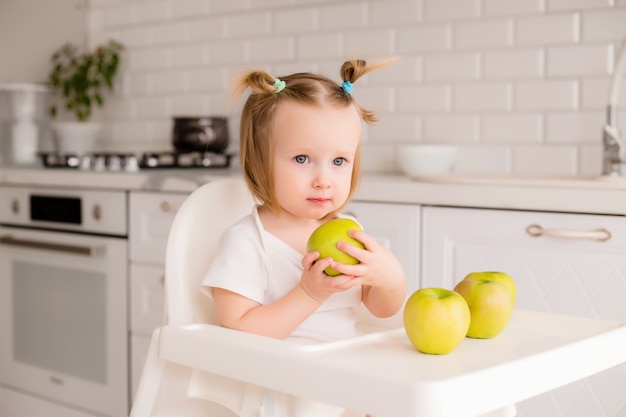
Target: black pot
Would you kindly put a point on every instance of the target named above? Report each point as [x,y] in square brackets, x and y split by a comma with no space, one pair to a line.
[200,134]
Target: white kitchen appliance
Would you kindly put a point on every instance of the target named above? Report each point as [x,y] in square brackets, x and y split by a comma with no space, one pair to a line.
[24,122]
[63,296]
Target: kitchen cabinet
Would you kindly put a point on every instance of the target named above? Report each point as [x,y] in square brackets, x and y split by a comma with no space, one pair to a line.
[565,270]
[146,286]
[151,215]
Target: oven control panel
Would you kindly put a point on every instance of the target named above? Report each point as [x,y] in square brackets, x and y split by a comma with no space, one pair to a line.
[90,211]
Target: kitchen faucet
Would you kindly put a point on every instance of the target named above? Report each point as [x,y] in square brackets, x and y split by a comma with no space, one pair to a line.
[614,147]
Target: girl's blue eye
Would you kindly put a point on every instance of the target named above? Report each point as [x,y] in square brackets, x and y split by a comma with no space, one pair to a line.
[301,159]
[339,161]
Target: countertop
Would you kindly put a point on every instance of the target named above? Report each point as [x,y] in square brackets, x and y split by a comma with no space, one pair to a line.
[557,194]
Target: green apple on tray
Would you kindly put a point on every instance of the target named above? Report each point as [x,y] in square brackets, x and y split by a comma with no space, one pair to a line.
[490,302]
[436,320]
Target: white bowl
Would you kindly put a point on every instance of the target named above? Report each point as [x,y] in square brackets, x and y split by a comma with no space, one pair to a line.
[425,160]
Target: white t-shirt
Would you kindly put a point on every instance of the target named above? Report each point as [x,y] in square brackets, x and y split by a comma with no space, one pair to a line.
[256,264]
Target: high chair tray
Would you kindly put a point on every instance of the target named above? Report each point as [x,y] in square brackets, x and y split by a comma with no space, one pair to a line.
[383,374]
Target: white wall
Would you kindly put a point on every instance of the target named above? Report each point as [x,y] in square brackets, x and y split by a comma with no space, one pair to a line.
[31,30]
[520,85]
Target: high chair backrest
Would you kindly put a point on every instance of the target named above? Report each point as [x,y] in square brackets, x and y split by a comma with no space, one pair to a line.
[193,239]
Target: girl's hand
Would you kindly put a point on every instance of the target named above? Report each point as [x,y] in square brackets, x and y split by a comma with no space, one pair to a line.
[317,284]
[379,271]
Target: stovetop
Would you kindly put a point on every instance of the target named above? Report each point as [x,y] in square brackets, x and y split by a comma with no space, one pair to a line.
[131,162]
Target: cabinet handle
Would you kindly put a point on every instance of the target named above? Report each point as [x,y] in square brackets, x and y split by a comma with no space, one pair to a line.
[168,207]
[601,235]
[97,212]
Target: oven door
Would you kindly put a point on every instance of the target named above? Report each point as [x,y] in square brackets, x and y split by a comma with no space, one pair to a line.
[63,309]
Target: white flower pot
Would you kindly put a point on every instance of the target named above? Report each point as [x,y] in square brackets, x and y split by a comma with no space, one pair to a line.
[76,137]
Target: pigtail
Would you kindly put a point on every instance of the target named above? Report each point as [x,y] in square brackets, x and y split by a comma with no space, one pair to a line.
[259,82]
[354,69]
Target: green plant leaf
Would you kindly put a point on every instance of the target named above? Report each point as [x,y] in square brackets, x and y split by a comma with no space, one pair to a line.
[81,78]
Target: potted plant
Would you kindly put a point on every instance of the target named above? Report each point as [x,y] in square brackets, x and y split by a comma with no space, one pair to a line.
[80,81]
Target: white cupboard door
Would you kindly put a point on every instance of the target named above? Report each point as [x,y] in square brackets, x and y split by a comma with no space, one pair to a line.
[576,275]
[139,346]
[397,226]
[565,270]
[151,216]
[147,294]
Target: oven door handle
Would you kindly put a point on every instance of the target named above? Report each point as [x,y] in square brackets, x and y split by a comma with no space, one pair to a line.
[51,246]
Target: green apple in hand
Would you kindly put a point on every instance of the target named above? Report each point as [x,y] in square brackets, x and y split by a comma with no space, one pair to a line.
[436,320]
[490,304]
[497,276]
[324,240]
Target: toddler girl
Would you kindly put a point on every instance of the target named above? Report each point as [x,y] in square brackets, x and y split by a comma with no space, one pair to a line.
[300,154]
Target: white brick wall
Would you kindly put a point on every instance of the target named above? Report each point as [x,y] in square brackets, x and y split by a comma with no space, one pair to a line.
[519,85]
[546,95]
[548,29]
[579,61]
[513,64]
[483,34]
[513,128]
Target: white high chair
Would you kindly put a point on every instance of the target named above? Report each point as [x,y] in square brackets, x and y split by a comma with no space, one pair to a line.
[196,368]
[169,389]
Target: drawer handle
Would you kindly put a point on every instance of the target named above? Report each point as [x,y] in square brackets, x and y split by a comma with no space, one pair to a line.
[168,207]
[601,235]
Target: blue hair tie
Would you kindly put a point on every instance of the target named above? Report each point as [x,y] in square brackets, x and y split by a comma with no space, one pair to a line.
[280,85]
[347,87]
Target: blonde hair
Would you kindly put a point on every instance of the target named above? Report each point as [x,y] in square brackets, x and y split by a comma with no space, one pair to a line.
[257,118]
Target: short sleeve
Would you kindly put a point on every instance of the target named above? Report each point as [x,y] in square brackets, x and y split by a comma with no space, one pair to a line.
[239,264]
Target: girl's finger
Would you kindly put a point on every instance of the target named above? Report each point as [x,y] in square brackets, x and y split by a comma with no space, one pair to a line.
[321,264]
[346,269]
[352,250]
[309,259]
[367,240]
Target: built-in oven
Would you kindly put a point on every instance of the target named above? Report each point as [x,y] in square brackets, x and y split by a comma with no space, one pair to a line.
[63,296]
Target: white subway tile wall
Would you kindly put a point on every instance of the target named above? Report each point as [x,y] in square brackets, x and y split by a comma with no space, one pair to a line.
[521,86]
[512,128]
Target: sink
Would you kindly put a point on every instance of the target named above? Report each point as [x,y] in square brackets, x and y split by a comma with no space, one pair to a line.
[528,180]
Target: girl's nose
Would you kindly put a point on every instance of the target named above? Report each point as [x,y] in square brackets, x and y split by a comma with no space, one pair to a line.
[321,179]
